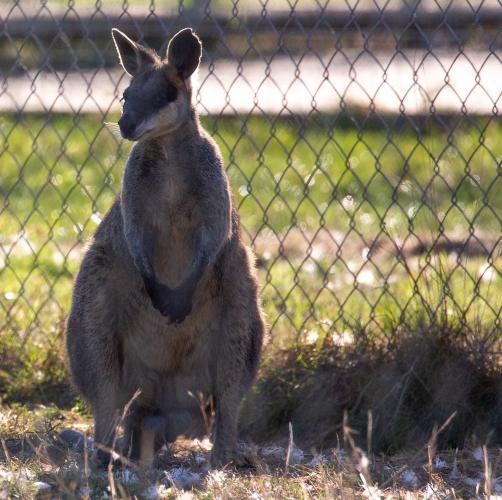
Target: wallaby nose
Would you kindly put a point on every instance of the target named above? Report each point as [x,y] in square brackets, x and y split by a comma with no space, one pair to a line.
[126,126]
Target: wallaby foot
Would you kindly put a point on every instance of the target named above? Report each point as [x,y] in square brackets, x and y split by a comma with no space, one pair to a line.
[241,456]
[226,450]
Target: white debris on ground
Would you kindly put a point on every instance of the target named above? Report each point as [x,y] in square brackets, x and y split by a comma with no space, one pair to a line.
[439,463]
[216,478]
[22,474]
[497,487]
[204,444]
[311,336]
[273,452]
[183,477]
[157,491]
[431,493]
[342,339]
[42,487]
[280,453]
[372,492]
[128,476]
[317,461]
[6,475]
[409,478]
[297,456]
[178,482]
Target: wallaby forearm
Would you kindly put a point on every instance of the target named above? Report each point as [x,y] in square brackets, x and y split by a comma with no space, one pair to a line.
[140,241]
[208,241]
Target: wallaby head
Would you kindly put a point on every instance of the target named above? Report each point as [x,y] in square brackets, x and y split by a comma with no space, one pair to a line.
[158,98]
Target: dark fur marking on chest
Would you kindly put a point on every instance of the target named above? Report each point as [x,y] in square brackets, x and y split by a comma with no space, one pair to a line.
[150,158]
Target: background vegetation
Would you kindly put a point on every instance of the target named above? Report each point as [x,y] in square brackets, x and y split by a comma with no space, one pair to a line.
[365,228]
[376,247]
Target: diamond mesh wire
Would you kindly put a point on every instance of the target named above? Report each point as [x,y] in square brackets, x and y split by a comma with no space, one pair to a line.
[361,140]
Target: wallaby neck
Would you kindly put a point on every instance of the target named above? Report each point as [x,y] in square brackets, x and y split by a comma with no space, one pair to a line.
[170,153]
[187,132]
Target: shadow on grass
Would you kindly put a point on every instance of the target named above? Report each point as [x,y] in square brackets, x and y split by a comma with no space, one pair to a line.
[410,387]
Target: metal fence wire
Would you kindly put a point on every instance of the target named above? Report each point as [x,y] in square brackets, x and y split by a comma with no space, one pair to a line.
[362,141]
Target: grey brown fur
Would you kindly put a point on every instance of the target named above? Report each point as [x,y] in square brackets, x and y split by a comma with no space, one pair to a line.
[166,300]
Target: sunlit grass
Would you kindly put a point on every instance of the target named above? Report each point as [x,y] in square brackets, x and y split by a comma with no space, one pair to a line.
[332,212]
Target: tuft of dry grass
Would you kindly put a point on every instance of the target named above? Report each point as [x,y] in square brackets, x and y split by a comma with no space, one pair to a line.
[408,388]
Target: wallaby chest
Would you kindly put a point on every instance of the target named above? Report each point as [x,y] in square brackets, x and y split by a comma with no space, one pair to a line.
[176,218]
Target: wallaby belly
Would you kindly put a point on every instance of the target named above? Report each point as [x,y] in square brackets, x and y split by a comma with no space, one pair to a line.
[170,363]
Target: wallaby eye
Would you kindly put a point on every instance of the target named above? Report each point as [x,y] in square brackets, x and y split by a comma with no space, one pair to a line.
[166,95]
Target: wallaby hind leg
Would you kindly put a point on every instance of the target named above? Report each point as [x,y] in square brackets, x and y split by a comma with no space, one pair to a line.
[231,384]
[238,356]
[226,448]
[106,418]
[225,429]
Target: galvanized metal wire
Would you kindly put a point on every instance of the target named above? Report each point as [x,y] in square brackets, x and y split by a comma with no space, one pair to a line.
[360,139]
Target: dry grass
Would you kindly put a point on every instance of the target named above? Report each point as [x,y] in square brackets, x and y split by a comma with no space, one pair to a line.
[35,464]
[408,387]
[419,416]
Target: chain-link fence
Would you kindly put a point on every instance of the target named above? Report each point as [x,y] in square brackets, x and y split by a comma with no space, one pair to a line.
[362,142]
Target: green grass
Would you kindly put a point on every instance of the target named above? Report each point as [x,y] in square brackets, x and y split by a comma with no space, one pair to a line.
[328,208]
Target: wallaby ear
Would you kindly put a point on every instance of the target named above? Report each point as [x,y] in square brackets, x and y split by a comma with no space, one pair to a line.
[132,56]
[184,51]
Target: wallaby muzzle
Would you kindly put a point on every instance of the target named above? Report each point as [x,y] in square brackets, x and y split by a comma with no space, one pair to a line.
[127,124]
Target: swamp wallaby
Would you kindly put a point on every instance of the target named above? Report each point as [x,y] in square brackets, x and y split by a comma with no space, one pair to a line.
[166,300]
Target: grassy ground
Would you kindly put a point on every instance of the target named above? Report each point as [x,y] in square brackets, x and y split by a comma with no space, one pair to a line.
[36,463]
[343,223]
[370,241]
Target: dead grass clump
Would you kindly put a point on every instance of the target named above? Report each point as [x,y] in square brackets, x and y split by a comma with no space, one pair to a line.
[412,386]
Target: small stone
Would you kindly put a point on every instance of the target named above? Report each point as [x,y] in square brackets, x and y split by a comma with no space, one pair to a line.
[72,439]
[40,485]
[52,454]
[43,490]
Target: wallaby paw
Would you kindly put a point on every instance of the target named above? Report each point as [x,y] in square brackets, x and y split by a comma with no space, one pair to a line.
[178,308]
[173,304]
[158,294]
